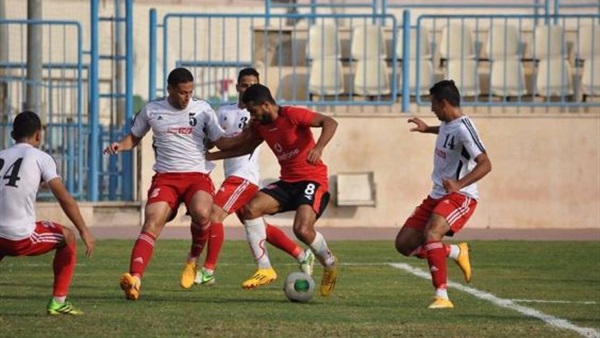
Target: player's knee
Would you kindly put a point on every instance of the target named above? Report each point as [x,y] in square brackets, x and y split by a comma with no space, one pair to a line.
[402,246]
[304,232]
[68,235]
[251,212]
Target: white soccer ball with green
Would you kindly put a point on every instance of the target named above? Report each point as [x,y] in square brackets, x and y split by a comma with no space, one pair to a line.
[299,287]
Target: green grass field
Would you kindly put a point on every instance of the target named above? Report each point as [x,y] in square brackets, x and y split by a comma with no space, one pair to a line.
[558,282]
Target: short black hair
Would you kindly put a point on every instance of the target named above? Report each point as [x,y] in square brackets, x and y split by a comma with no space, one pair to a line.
[258,94]
[446,90]
[26,124]
[247,72]
[179,75]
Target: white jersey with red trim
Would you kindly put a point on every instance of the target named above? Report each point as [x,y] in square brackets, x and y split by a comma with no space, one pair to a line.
[22,169]
[456,148]
[179,135]
[233,120]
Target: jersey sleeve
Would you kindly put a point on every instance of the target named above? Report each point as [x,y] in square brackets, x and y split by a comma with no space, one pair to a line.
[47,167]
[211,124]
[470,140]
[301,116]
[140,123]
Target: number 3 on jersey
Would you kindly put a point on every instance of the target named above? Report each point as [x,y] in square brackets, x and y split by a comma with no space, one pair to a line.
[12,172]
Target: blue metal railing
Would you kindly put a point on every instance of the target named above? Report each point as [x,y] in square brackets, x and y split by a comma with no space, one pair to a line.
[119,171]
[215,67]
[61,86]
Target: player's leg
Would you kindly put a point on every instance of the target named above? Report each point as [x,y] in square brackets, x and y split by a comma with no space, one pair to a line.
[160,208]
[256,234]
[199,202]
[214,244]
[450,214]
[310,199]
[436,259]
[411,237]
[64,267]
[279,239]
[457,212]
[231,196]
[49,236]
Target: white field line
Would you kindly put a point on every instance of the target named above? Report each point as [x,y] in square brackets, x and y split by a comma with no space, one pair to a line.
[506,303]
[518,300]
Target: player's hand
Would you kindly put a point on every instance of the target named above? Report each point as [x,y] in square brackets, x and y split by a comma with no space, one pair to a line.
[89,241]
[450,185]
[314,155]
[113,148]
[420,125]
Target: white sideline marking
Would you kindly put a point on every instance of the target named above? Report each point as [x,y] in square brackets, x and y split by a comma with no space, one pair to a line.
[506,303]
[518,300]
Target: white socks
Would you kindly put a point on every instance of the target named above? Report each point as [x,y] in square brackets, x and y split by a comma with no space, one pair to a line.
[256,234]
[454,251]
[319,247]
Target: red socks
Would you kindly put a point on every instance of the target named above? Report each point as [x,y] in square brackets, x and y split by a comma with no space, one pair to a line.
[280,240]
[436,258]
[64,267]
[200,234]
[421,253]
[215,243]
[141,253]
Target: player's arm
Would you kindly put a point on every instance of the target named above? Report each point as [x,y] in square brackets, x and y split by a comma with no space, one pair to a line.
[422,127]
[127,143]
[241,144]
[328,126]
[482,167]
[71,209]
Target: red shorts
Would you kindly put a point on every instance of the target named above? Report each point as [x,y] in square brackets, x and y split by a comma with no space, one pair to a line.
[175,188]
[454,207]
[46,237]
[234,193]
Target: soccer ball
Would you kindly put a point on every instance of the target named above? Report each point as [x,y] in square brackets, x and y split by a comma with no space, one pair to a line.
[299,287]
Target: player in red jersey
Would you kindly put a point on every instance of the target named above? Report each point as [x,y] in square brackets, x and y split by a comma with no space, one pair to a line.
[303,184]
[241,184]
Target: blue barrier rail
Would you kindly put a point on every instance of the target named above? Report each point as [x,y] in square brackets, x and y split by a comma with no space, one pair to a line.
[61,87]
[282,55]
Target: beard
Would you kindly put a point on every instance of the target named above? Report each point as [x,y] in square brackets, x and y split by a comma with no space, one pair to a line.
[266,119]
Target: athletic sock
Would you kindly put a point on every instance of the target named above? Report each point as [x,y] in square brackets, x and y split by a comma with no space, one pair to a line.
[256,234]
[436,258]
[214,245]
[421,253]
[200,234]
[141,254]
[321,250]
[279,239]
[453,251]
[64,267]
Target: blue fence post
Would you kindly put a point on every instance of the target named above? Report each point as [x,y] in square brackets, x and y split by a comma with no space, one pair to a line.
[94,151]
[267,12]
[152,54]
[127,160]
[406,59]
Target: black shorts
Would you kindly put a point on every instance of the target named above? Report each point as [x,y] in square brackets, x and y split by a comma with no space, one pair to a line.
[291,195]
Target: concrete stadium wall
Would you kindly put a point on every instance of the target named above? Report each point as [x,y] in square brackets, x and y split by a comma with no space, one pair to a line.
[546,171]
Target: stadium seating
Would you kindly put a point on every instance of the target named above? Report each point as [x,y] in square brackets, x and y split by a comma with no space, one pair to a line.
[368,49]
[553,73]
[424,54]
[507,77]
[588,52]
